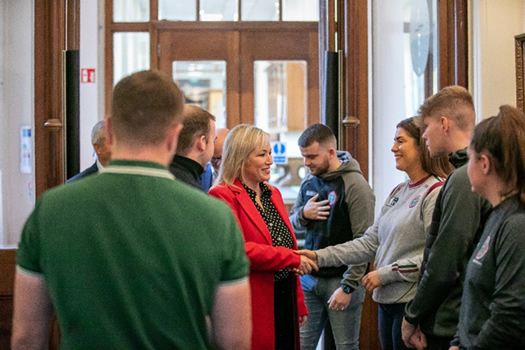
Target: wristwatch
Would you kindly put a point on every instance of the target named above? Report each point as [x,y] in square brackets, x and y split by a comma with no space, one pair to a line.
[346,288]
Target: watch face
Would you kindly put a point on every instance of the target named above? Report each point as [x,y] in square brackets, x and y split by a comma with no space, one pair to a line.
[419,35]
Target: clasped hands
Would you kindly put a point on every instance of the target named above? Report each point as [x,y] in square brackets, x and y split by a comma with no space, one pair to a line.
[308,262]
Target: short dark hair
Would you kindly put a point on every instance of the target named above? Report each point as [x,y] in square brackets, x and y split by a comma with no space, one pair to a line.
[320,133]
[502,139]
[144,106]
[196,123]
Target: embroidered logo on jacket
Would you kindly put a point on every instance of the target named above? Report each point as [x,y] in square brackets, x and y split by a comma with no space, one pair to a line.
[484,248]
[332,197]
[393,201]
[414,201]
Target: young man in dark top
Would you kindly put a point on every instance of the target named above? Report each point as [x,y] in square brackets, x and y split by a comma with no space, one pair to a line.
[432,316]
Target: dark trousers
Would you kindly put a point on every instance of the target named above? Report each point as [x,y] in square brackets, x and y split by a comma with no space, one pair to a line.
[390,319]
[284,315]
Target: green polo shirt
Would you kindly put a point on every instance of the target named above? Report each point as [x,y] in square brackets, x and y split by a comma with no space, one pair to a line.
[131,258]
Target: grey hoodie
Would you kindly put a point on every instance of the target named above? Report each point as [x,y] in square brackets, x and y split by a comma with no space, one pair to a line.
[352,212]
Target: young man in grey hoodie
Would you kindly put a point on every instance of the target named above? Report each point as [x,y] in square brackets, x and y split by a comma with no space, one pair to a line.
[335,204]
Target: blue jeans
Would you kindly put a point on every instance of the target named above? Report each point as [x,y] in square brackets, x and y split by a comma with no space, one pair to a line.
[390,319]
[345,324]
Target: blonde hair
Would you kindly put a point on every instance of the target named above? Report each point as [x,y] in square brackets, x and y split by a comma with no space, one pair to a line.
[240,142]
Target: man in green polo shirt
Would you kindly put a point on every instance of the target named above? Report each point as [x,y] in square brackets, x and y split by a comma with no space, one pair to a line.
[122,258]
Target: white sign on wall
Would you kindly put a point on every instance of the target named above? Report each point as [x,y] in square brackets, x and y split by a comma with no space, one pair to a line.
[26,150]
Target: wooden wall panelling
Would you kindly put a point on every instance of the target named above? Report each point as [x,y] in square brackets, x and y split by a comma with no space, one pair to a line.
[7,273]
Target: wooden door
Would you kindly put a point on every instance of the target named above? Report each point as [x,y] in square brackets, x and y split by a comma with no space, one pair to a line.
[240,45]
[205,45]
[282,45]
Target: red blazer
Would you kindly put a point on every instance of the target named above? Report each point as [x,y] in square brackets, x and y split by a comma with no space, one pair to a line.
[265,259]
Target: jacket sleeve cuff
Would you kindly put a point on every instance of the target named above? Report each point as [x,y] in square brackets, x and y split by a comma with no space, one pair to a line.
[411,320]
[300,216]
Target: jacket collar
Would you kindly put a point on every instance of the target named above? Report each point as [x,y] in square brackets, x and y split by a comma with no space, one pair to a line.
[458,158]
[249,208]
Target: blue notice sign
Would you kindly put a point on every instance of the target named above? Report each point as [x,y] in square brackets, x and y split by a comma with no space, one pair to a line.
[279,153]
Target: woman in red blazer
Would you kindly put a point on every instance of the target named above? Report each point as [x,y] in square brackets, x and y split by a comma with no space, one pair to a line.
[278,308]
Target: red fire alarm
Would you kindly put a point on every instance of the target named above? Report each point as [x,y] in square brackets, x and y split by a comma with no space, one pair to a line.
[87,75]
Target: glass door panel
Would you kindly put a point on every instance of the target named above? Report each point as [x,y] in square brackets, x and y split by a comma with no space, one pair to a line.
[131,54]
[204,84]
[260,10]
[178,10]
[131,10]
[213,10]
[280,95]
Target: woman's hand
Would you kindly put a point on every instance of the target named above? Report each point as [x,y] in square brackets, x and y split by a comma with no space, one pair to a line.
[302,320]
[371,281]
[306,266]
[311,254]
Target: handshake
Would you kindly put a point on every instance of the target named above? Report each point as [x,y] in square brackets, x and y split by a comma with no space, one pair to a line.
[308,262]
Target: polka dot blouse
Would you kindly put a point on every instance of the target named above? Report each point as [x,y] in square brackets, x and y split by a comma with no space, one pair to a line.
[281,235]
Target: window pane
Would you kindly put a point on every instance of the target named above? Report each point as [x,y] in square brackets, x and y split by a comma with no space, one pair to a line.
[301,10]
[204,84]
[214,10]
[178,10]
[260,10]
[130,54]
[280,94]
[130,10]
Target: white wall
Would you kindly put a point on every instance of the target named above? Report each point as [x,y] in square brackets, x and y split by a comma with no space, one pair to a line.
[388,95]
[16,110]
[494,25]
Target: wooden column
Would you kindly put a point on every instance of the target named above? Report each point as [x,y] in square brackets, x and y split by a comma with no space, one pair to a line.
[453,42]
[354,35]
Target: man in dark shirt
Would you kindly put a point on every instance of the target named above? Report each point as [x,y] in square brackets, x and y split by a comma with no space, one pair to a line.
[195,147]
[432,316]
[102,149]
